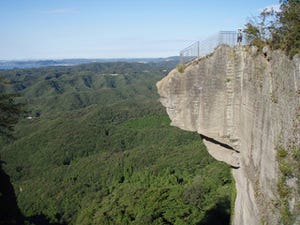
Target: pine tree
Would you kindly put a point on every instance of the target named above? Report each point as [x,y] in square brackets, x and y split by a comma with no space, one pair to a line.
[289,18]
[9,115]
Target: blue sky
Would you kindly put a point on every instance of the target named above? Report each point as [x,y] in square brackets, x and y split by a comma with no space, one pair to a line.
[56,29]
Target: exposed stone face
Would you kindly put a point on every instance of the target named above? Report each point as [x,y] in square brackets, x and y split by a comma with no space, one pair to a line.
[248,104]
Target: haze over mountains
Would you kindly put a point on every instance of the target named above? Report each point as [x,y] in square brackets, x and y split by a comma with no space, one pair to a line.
[10,64]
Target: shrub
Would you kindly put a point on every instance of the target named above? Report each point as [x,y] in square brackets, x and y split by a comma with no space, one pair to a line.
[281,153]
[181,67]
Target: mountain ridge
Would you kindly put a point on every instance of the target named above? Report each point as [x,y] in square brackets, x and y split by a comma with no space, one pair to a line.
[22,64]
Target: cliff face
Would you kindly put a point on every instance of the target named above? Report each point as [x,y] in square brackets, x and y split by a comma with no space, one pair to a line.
[246,106]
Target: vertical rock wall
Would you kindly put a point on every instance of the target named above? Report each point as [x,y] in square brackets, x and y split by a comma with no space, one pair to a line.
[245,105]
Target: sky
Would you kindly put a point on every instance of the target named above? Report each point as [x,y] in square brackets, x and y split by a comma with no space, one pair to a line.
[57,29]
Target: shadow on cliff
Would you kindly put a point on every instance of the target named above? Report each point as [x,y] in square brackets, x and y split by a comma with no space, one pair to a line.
[218,215]
[9,210]
[217,142]
[41,220]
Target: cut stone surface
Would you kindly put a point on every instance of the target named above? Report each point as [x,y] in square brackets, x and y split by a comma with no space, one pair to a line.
[249,102]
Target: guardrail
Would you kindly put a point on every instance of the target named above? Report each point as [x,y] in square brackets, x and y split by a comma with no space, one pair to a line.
[207,46]
[191,52]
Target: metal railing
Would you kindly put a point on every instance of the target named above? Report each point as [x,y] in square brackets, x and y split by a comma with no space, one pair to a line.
[191,52]
[207,46]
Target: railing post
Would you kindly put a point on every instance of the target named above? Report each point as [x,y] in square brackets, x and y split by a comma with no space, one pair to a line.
[181,58]
[198,49]
[219,38]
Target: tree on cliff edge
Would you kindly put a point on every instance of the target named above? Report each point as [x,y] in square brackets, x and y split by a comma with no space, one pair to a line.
[289,18]
[280,30]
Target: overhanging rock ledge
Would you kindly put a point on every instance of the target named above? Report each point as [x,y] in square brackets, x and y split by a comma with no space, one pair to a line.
[244,104]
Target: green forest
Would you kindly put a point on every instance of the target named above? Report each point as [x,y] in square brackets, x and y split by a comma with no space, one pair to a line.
[95,146]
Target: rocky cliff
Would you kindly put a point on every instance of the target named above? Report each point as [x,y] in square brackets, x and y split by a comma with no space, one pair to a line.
[246,106]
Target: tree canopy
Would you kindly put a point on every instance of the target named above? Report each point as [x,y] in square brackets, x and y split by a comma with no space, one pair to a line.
[278,29]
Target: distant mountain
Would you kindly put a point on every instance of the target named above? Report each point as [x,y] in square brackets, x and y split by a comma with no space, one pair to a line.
[10,64]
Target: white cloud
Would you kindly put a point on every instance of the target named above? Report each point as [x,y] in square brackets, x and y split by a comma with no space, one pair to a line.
[276,8]
[60,11]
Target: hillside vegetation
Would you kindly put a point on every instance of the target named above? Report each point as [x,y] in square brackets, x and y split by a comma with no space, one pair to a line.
[96,147]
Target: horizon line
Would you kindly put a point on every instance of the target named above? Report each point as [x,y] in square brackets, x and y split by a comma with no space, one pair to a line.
[84,58]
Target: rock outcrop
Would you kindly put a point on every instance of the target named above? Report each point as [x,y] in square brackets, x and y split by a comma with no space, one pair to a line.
[246,106]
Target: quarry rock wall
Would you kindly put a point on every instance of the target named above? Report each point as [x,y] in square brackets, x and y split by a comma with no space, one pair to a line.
[246,105]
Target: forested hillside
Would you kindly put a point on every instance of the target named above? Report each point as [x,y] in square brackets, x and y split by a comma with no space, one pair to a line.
[96,147]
